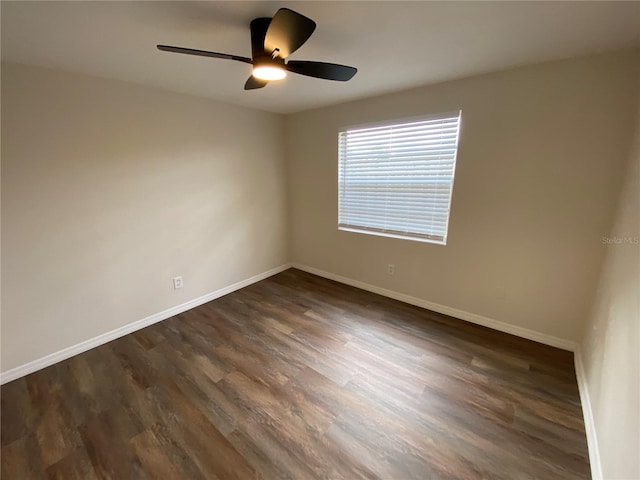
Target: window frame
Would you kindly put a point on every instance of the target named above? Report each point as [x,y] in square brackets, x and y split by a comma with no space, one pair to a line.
[413,236]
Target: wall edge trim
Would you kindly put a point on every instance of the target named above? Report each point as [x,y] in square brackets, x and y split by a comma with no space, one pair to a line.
[539,337]
[589,421]
[65,353]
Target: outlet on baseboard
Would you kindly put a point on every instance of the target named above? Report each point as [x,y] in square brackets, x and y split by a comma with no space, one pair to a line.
[391,269]
[177,283]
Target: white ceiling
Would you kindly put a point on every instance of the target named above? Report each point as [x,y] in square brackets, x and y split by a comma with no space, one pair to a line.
[395,45]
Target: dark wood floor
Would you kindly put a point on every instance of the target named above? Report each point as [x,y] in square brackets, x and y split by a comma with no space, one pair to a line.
[299,377]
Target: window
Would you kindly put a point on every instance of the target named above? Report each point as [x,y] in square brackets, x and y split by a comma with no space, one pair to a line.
[397,179]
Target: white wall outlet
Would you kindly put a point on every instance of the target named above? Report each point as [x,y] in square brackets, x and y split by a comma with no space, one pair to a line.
[177,282]
[391,269]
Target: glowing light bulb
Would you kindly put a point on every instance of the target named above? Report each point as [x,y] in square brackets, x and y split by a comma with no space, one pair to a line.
[268,72]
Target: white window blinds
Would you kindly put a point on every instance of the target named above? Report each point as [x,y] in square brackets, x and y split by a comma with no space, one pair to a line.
[397,180]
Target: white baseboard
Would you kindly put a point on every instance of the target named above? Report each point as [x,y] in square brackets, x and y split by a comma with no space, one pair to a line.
[453,312]
[69,352]
[589,423]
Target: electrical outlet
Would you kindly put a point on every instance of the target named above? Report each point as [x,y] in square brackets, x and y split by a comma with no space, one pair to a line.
[391,269]
[177,282]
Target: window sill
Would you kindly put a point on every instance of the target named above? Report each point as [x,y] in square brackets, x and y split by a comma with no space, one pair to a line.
[393,235]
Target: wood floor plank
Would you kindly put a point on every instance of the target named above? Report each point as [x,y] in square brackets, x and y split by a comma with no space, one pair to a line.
[106,440]
[298,377]
[17,421]
[22,459]
[56,433]
[74,466]
[162,457]
[207,446]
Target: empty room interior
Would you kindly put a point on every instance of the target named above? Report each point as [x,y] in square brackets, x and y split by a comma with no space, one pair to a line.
[320,240]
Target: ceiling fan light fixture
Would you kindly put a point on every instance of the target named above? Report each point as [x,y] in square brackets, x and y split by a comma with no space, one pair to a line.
[273,39]
[269,72]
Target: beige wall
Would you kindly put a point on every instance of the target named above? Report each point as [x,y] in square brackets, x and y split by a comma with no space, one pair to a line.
[611,347]
[539,165]
[109,190]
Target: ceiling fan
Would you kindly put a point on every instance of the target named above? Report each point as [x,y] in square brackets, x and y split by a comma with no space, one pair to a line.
[272,41]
